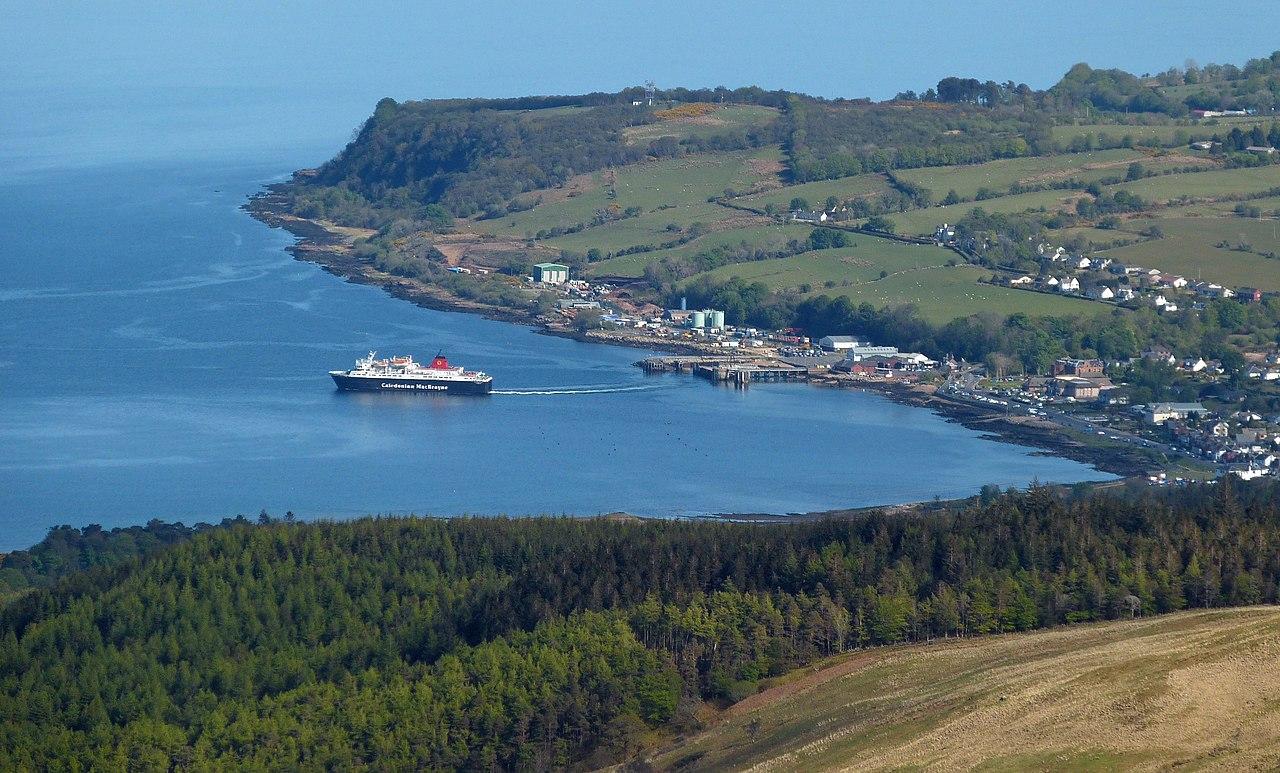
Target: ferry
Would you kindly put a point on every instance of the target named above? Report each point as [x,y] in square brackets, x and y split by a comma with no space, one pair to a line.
[402,374]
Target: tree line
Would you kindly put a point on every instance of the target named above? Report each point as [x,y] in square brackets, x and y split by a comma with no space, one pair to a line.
[533,644]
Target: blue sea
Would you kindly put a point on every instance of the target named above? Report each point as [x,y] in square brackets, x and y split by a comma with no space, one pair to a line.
[163,356]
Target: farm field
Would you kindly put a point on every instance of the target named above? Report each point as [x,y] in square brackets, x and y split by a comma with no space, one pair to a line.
[765,236]
[649,228]
[816,193]
[1189,247]
[1165,135]
[1095,235]
[1269,207]
[1191,690]
[858,264]
[918,275]
[999,175]
[723,119]
[676,182]
[1219,182]
[922,222]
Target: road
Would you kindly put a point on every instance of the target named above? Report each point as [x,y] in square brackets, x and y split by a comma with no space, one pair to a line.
[1064,419]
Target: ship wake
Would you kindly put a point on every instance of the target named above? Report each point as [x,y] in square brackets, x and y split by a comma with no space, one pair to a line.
[603,390]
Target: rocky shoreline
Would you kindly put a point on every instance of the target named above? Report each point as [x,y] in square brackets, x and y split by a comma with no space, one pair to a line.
[1049,437]
[330,250]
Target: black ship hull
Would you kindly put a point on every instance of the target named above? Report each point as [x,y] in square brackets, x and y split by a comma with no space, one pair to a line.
[349,383]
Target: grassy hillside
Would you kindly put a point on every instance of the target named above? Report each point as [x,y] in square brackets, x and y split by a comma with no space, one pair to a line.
[816,193]
[999,175]
[718,120]
[1225,182]
[923,221]
[675,185]
[765,235]
[615,186]
[1193,690]
[1160,134]
[1190,246]
[916,274]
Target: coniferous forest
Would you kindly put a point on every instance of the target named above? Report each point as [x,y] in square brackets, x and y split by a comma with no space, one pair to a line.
[544,643]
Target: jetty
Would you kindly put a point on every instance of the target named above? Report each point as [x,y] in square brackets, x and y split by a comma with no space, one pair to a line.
[740,371]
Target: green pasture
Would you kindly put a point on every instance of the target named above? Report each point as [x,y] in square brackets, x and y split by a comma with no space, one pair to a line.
[816,193]
[999,175]
[1216,183]
[676,182]
[1164,134]
[917,275]
[771,236]
[1189,247]
[922,222]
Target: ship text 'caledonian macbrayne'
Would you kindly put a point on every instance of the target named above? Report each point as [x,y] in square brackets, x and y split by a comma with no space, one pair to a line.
[397,374]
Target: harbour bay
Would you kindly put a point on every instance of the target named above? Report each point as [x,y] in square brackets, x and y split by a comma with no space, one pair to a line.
[162,356]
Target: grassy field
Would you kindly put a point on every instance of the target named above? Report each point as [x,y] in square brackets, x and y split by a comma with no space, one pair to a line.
[1195,690]
[816,193]
[1219,182]
[857,264]
[723,119]
[1096,235]
[673,182]
[923,221]
[766,236]
[1269,206]
[649,228]
[1164,134]
[917,274]
[999,175]
[1189,247]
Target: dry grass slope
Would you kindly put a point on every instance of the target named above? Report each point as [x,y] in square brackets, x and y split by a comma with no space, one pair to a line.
[1199,690]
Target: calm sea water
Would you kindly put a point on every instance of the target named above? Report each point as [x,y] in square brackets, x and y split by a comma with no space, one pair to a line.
[162,356]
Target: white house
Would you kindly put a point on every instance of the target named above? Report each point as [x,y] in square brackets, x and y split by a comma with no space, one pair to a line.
[800,216]
[1083,263]
[915,358]
[1022,280]
[1069,285]
[1125,293]
[1100,293]
[1159,413]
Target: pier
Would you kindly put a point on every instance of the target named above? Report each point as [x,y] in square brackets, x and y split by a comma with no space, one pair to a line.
[738,371]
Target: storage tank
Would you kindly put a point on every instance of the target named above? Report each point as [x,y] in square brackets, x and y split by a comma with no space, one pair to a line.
[715,319]
[698,319]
